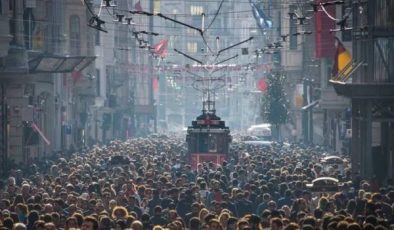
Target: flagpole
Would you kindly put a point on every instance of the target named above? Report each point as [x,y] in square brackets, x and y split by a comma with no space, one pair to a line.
[152,100]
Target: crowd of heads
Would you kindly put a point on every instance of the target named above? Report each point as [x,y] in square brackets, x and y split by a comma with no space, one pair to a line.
[148,183]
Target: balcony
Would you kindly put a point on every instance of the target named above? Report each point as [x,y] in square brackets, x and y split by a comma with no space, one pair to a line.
[368,90]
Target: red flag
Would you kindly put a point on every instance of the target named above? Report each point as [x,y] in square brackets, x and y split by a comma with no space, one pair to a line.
[138,6]
[160,49]
[262,85]
[324,41]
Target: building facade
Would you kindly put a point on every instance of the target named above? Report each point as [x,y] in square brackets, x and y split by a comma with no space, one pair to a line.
[44,50]
[370,89]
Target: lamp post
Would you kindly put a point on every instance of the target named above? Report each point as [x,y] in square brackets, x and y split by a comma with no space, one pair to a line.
[307,111]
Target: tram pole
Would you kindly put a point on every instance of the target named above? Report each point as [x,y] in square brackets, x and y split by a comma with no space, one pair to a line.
[151,94]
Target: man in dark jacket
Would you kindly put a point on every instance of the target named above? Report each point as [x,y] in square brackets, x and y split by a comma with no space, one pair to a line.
[157,218]
[155,201]
[243,205]
[194,213]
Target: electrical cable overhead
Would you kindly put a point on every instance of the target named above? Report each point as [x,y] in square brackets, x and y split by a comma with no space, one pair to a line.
[88,7]
[101,7]
[214,18]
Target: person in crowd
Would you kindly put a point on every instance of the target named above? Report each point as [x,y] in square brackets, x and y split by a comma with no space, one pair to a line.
[153,186]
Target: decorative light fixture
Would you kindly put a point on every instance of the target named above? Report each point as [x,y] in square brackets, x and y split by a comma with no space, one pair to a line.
[107,3]
[96,23]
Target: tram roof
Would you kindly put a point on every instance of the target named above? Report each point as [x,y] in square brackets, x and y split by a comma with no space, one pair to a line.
[208,130]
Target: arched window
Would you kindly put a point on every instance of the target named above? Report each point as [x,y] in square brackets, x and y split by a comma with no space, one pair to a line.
[75,35]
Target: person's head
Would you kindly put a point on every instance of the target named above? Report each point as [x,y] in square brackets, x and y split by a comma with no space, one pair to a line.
[310,220]
[354,226]
[119,212]
[322,204]
[137,225]
[242,224]
[11,181]
[71,222]
[112,204]
[276,224]
[90,223]
[8,222]
[172,214]
[214,224]
[157,210]
[342,225]
[272,205]
[195,208]
[232,223]
[50,226]
[223,218]
[99,207]
[19,199]
[79,218]
[292,226]
[19,226]
[194,223]
[105,223]
[203,213]
[120,224]
[39,225]
[332,225]
[33,217]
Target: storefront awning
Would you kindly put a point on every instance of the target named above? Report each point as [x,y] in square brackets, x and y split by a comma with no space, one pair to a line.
[367,90]
[59,64]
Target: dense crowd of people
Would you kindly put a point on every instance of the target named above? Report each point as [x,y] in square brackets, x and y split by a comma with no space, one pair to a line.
[147,183]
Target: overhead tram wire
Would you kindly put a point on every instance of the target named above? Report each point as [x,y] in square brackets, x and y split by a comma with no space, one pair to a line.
[216,14]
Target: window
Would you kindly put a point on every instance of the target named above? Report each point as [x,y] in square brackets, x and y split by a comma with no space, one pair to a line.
[156,6]
[196,10]
[28,25]
[75,37]
[1,7]
[212,144]
[192,47]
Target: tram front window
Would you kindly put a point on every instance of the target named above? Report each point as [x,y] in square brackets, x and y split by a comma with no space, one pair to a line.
[207,144]
[203,144]
[212,144]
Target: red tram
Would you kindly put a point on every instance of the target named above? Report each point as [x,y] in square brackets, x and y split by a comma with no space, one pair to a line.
[208,140]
